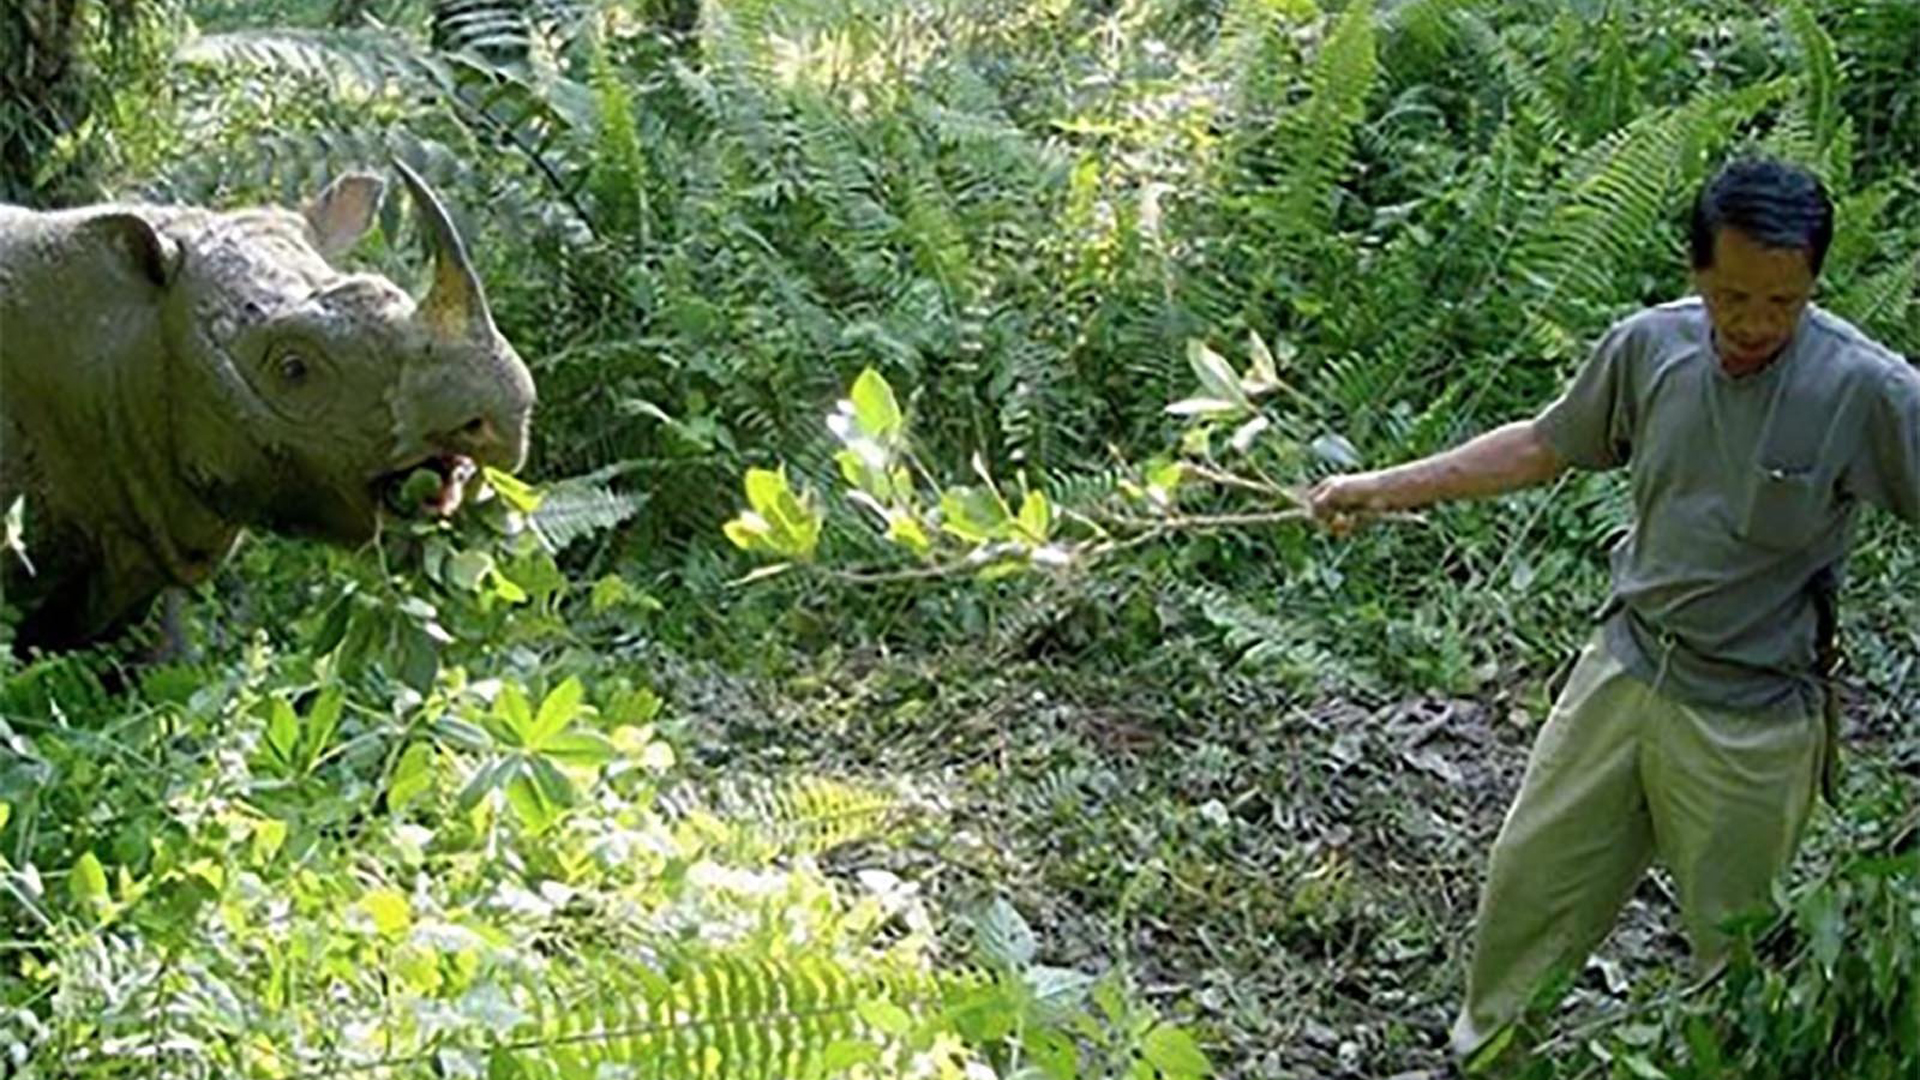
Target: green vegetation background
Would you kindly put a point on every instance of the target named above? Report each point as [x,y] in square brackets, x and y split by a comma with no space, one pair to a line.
[542,792]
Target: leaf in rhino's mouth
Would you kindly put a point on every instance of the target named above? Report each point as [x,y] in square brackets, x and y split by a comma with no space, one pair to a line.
[435,485]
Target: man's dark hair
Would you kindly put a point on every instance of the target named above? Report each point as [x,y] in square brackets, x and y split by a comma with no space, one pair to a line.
[1777,204]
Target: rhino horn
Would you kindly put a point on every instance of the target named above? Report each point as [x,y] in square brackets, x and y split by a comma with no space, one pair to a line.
[455,306]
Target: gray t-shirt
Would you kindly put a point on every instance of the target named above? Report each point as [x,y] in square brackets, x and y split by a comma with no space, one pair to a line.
[1744,489]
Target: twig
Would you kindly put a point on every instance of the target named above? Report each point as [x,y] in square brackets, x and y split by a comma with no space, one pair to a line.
[1292,494]
[917,573]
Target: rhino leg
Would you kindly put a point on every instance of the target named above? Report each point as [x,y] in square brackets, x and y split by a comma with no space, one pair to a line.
[57,619]
[81,601]
[169,643]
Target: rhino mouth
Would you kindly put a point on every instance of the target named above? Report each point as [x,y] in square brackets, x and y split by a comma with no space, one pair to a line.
[432,486]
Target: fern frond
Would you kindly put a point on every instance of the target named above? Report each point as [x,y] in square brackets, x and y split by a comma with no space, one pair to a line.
[499,30]
[1881,303]
[1531,102]
[718,1017]
[618,178]
[1857,229]
[571,511]
[1266,642]
[1430,25]
[1319,135]
[1821,80]
[362,61]
[758,818]
[1623,192]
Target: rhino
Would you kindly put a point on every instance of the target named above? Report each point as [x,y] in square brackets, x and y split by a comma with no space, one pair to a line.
[172,375]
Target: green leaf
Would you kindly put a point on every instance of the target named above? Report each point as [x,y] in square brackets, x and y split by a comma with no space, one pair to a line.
[972,514]
[885,1016]
[1036,518]
[557,710]
[906,529]
[1217,378]
[1821,914]
[333,625]
[613,591]
[750,532]
[519,494]
[1003,936]
[532,794]
[419,659]
[1334,448]
[322,721]
[1704,1044]
[6,815]
[412,776]
[780,523]
[1172,1050]
[874,406]
[580,748]
[1490,1051]
[864,465]
[421,487]
[1638,1065]
[1263,374]
[1054,1052]
[842,1055]
[506,588]
[466,570]
[485,779]
[511,707]
[283,733]
[88,883]
[269,836]
[554,786]
[462,734]
[391,912]
[764,490]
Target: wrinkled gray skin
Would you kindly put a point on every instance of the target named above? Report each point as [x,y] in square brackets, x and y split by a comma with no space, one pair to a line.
[171,375]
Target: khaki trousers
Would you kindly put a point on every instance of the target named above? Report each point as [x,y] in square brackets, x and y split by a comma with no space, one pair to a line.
[1620,774]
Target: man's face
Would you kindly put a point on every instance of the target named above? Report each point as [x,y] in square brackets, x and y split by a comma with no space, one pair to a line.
[1754,296]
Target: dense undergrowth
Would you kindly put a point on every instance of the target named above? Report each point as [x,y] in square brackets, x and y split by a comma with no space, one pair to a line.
[544,793]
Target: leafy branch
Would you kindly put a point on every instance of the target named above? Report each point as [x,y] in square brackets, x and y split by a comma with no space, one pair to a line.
[992,530]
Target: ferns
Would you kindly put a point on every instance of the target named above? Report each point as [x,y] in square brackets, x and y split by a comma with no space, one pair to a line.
[1623,195]
[619,174]
[1315,141]
[1822,76]
[758,819]
[809,1016]
[1531,102]
[496,29]
[572,510]
[1883,303]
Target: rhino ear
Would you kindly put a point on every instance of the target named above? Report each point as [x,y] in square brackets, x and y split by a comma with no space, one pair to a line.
[339,216]
[124,233]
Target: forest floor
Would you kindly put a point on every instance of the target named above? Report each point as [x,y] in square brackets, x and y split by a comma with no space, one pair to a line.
[1296,876]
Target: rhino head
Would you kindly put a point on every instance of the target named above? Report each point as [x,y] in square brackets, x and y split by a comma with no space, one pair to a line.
[313,391]
[174,375]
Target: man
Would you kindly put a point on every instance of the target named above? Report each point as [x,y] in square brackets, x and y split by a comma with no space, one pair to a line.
[1753,424]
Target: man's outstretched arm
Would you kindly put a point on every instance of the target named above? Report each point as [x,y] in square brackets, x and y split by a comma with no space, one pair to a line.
[1505,459]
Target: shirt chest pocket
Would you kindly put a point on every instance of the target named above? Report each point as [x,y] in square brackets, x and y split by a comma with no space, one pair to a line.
[1787,506]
